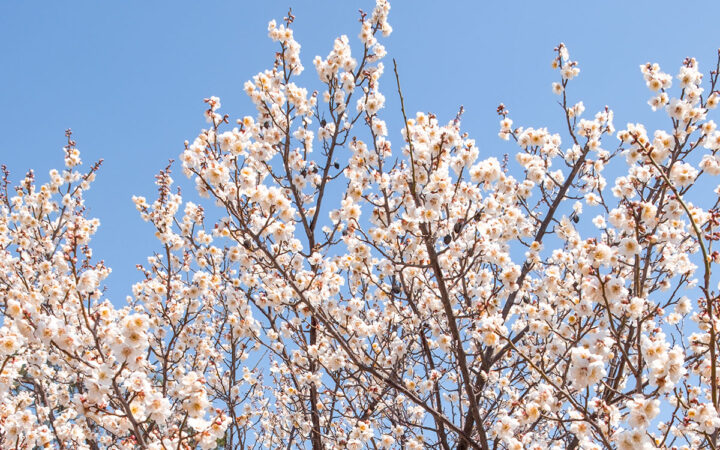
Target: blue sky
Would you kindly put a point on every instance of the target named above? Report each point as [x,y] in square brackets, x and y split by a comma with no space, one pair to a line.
[129,77]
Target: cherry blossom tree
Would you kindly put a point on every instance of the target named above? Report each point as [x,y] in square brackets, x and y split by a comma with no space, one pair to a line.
[357,293]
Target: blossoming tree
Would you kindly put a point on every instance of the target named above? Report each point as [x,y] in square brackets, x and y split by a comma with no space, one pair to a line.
[360,294]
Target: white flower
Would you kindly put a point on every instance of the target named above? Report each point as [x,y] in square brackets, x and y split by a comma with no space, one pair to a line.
[683,174]
[586,368]
[710,164]
[629,247]
[642,411]
[88,281]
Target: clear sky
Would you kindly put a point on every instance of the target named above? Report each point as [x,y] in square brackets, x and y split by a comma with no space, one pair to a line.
[129,77]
